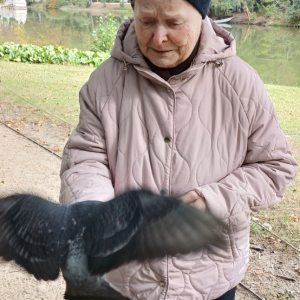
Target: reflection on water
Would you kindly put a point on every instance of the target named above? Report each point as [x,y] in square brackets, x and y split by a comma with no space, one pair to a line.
[70,29]
[7,17]
[273,52]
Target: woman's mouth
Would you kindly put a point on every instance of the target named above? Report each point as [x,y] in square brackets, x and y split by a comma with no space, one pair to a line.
[161,51]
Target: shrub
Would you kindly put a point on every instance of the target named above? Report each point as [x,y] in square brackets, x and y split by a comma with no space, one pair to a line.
[105,35]
[54,4]
[50,54]
[81,3]
[281,10]
[294,13]
[2,1]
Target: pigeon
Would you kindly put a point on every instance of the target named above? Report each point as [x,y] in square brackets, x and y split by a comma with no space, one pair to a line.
[88,239]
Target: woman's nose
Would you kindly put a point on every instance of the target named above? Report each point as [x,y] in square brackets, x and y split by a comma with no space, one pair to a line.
[160,35]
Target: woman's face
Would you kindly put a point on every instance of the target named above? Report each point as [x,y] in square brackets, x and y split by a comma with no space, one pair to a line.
[167,30]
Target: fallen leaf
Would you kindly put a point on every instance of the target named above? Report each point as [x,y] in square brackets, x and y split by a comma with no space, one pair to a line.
[294,217]
[275,241]
[2,181]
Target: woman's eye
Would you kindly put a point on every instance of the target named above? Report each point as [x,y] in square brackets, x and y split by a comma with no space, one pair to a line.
[146,22]
[174,24]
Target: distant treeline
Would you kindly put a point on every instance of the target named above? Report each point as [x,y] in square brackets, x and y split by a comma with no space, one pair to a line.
[280,10]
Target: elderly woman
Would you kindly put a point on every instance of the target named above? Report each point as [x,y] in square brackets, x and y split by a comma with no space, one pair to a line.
[174,111]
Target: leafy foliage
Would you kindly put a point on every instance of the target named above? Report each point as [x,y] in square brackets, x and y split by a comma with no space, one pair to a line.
[294,13]
[224,6]
[54,4]
[286,11]
[281,9]
[50,54]
[81,3]
[105,35]
[2,1]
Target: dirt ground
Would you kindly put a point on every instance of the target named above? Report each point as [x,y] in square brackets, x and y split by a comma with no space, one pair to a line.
[26,167]
[241,18]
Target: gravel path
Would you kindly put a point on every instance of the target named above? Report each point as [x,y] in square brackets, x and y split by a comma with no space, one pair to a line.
[27,168]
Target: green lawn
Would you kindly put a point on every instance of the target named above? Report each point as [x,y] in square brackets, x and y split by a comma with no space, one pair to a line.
[286,101]
[55,88]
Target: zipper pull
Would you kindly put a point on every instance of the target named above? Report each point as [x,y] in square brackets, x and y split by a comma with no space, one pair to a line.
[125,64]
[219,63]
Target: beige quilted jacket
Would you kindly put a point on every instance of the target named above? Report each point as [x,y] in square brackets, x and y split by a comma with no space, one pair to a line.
[212,129]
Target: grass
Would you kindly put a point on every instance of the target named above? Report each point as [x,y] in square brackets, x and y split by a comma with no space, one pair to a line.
[55,89]
[286,102]
[123,8]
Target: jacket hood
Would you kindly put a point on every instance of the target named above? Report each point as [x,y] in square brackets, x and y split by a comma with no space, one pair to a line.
[216,43]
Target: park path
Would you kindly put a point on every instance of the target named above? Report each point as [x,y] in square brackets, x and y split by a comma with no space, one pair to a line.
[25,167]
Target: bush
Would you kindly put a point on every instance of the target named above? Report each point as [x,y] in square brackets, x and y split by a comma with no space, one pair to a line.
[54,4]
[81,3]
[281,10]
[105,35]
[2,1]
[50,54]
[294,13]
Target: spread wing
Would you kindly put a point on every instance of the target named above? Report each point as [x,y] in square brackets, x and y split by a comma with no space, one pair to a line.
[137,225]
[140,225]
[33,232]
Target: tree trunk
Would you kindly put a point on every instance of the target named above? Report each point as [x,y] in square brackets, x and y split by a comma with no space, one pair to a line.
[247,11]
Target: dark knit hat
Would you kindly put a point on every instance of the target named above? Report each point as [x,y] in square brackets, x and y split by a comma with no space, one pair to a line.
[201,5]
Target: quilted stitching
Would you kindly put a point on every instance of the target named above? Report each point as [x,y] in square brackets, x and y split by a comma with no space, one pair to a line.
[125,117]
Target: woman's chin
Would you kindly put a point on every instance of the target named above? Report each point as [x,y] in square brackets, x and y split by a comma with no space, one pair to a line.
[163,62]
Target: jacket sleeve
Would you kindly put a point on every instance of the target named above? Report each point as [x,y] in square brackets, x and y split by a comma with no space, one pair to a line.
[85,173]
[267,170]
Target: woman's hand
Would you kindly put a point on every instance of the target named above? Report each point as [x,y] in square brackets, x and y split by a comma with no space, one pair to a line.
[194,200]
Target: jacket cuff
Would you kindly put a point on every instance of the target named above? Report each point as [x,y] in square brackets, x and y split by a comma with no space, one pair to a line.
[217,208]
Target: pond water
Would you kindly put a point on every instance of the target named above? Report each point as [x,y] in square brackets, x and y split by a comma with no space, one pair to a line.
[273,51]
